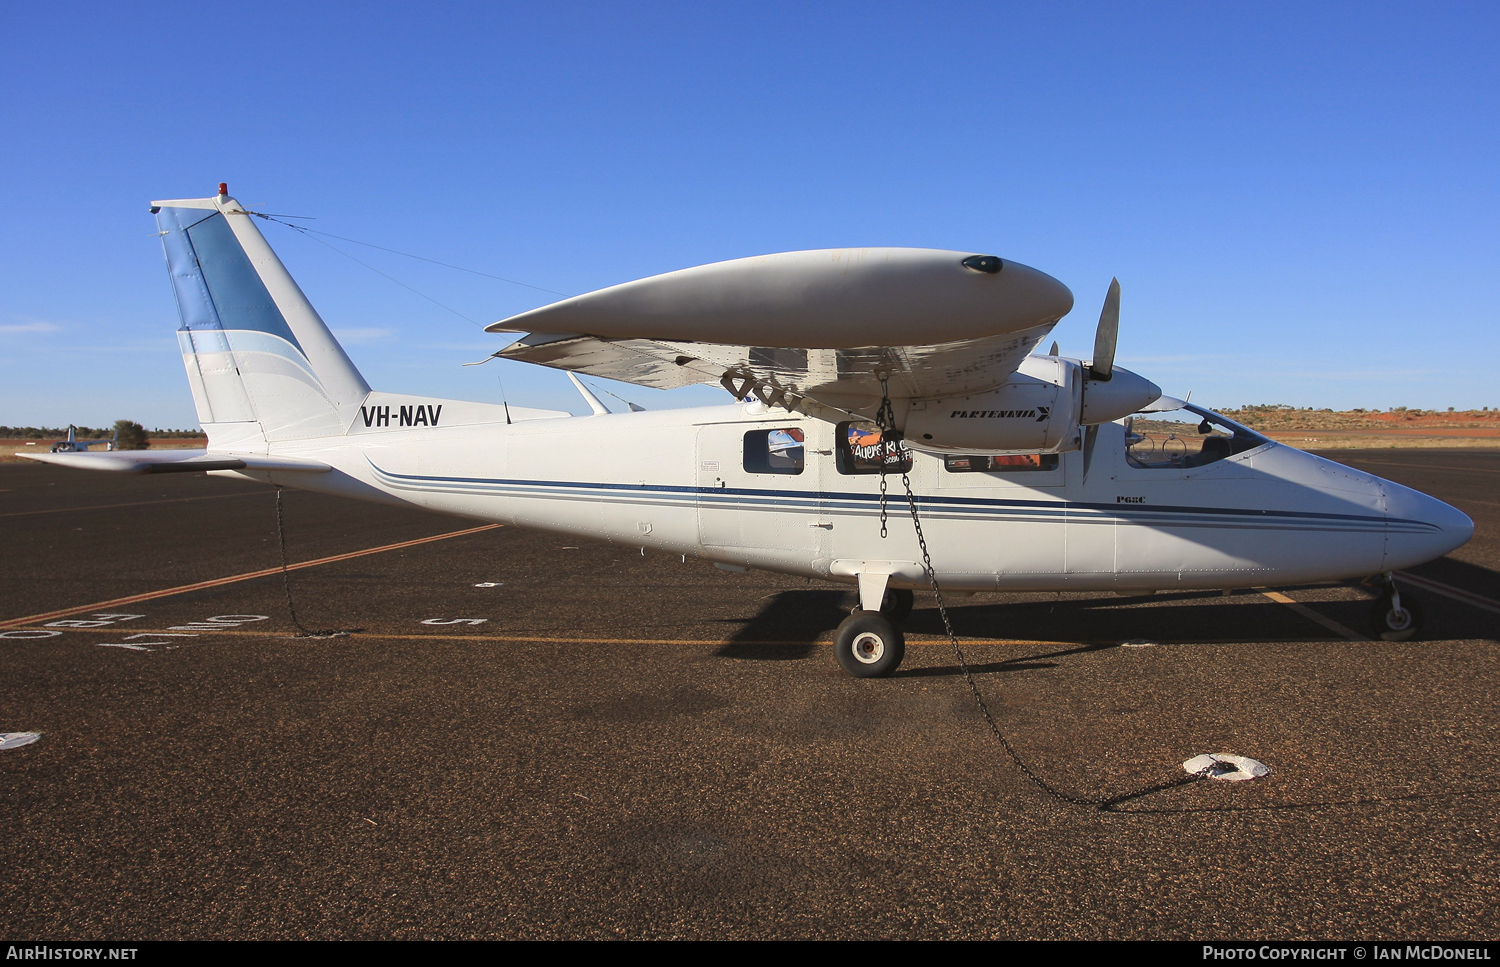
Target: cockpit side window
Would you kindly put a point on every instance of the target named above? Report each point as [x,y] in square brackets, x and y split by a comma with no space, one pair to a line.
[1183,438]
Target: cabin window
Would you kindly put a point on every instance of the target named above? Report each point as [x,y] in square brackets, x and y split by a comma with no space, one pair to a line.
[1184,438]
[861,449]
[1001,463]
[774,451]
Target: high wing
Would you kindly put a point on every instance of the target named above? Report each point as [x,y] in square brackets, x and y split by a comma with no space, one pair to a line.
[810,331]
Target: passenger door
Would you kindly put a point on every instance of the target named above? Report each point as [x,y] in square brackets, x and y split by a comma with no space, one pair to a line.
[758,491]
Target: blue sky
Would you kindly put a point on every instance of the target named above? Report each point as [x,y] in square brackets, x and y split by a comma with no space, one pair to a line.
[1300,201]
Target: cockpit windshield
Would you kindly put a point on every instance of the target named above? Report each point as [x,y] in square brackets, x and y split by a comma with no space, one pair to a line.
[1187,436]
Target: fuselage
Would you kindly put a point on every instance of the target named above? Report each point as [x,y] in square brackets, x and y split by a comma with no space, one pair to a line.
[687,481]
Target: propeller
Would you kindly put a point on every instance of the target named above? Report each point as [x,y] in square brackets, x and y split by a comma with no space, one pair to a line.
[1103,364]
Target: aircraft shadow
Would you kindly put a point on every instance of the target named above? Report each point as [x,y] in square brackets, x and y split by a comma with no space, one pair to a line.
[1107,620]
[790,622]
[793,620]
[1461,574]
[1018,664]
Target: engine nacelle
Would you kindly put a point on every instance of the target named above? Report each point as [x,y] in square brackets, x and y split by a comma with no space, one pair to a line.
[1036,412]
[1039,410]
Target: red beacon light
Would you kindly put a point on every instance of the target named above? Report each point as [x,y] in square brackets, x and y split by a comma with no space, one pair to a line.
[223,189]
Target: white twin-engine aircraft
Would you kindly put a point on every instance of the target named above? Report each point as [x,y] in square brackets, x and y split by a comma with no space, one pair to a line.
[850,367]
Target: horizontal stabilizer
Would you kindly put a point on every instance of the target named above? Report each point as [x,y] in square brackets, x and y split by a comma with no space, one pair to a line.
[175,461]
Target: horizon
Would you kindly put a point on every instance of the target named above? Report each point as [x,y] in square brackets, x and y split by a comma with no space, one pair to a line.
[13,432]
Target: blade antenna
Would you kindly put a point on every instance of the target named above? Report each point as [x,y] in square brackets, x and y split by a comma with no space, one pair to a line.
[503,401]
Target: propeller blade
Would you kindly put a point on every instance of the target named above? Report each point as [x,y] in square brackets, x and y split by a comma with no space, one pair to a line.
[1103,364]
[1090,434]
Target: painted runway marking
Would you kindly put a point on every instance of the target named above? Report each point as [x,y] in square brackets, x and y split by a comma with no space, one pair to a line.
[217,582]
[219,622]
[1471,500]
[697,642]
[138,503]
[100,619]
[1423,466]
[1449,591]
[1312,615]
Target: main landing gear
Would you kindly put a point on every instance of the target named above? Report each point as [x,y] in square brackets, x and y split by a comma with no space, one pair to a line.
[869,644]
[1396,616]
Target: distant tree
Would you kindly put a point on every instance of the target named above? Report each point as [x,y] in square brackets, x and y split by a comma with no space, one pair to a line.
[130,435]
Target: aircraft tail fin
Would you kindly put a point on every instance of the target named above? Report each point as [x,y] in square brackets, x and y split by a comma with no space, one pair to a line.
[262,364]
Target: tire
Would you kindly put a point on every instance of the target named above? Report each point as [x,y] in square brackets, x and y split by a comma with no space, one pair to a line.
[897,604]
[869,645]
[1390,627]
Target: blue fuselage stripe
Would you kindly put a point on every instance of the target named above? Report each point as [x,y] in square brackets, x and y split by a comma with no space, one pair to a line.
[825,501]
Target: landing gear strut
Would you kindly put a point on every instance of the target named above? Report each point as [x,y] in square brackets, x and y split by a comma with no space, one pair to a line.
[1396,616]
[897,603]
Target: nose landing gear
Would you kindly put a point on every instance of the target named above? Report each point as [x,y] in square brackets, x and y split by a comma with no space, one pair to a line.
[1396,616]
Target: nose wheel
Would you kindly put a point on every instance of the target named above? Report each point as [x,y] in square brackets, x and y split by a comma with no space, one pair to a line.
[869,645]
[1397,615]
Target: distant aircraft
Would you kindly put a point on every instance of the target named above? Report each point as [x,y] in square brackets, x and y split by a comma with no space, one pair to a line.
[74,445]
[850,367]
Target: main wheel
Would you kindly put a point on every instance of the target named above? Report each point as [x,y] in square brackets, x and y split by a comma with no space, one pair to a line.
[897,604]
[869,645]
[1391,625]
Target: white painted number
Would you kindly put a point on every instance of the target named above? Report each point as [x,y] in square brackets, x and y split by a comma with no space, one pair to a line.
[131,643]
[454,621]
[102,620]
[221,622]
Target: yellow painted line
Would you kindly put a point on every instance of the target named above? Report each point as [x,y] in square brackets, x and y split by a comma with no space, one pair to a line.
[1312,615]
[539,640]
[1449,591]
[234,578]
[138,503]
